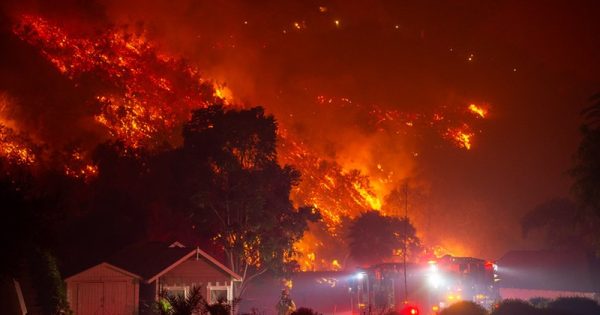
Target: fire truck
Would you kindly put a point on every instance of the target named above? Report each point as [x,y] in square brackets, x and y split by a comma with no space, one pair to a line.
[424,288]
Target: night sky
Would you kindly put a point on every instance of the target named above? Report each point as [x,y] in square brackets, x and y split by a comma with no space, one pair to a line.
[532,64]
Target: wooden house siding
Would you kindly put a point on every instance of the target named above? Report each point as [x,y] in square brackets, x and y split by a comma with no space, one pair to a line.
[194,272]
[103,290]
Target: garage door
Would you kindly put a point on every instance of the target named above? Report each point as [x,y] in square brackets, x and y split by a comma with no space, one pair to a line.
[89,298]
[102,298]
[115,298]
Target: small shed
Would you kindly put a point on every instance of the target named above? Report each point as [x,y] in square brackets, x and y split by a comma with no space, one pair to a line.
[102,290]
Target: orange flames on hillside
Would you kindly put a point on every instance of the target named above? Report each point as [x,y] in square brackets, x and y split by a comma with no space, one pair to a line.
[478,110]
[146,95]
[336,192]
[15,148]
[461,136]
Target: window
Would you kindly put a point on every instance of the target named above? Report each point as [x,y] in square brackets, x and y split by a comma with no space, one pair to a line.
[176,291]
[219,292]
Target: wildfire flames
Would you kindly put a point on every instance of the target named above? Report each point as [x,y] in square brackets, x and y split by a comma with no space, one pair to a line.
[14,147]
[146,95]
[478,110]
[461,136]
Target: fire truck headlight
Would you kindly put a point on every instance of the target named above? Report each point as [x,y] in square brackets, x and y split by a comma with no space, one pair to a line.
[360,275]
[435,280]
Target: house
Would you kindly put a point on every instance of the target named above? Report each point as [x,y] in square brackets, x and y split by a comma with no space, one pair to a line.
[548,274]
[131,280]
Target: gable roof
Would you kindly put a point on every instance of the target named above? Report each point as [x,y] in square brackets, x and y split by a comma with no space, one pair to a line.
[153,259]
[110,266]
[546,270]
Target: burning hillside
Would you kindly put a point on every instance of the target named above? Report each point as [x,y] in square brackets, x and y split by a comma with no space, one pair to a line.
[141,96]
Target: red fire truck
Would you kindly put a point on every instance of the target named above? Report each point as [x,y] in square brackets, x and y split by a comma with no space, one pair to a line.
[424,288]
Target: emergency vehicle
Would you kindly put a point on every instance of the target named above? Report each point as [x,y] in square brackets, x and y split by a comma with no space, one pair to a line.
[424,288]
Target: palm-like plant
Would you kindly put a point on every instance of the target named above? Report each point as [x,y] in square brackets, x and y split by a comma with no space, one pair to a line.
[179,304]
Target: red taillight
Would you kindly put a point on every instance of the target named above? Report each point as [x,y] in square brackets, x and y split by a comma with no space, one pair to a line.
[410,310]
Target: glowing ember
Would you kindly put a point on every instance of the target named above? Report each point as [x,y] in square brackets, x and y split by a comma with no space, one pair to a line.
[478,110]
[77,166]
[15,148]
[400,123]
[461,136]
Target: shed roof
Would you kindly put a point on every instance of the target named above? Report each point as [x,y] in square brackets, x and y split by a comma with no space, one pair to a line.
[105,264]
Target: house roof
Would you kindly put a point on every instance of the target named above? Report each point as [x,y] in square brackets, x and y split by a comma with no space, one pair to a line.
[153,259]
[546,270]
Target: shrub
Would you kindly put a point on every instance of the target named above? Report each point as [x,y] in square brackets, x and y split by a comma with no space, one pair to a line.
[575,306]
[515,307]
[305,311]
[464,308]
[194,303]
[539,302]
[219,308]
[181,305]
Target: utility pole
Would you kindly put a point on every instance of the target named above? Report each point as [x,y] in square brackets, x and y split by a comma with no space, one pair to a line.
[405,240]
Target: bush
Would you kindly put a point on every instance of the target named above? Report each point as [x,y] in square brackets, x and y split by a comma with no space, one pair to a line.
[194,303]
[180,305]
[464,308]
[539,302]
[219,308]
[515,307]
[575,306]
[305,311]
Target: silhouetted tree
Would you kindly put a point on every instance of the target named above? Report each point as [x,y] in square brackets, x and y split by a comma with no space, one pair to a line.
[51,290]
[242,199]
[558,220]
[375,238]
[586,171]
